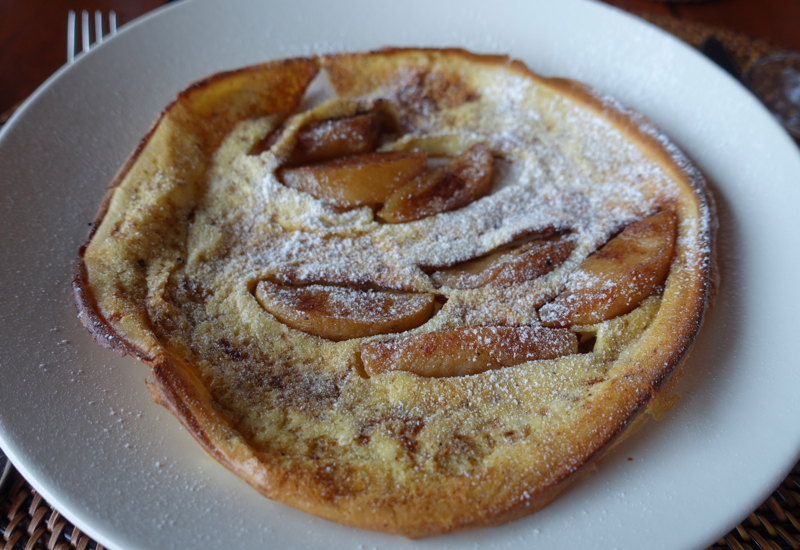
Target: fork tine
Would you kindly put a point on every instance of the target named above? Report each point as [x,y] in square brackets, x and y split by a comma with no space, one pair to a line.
[85,31]
[70,36]
[98,27]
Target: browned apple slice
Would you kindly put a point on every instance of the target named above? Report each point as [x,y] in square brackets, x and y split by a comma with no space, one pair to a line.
[463,180]
[356,180]
[340,313]
[466,350]
[334,138]
[614,280]
[507,267]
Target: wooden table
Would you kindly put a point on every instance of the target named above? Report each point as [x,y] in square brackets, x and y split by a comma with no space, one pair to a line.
[33,33]
[33,39]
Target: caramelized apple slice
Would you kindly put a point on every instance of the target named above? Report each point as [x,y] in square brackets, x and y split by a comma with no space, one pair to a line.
[340,313]
[334,138]
[463,180]
[614,280]
[357,180]
[466,350]
[507,267]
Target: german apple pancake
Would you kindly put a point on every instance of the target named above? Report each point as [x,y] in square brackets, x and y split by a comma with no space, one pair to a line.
[411,290]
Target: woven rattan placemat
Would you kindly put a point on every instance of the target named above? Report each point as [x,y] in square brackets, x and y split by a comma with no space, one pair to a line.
[27,522]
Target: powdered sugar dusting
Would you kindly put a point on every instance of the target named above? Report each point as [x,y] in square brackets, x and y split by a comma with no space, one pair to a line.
[566,169]
[304,401]
[347,303]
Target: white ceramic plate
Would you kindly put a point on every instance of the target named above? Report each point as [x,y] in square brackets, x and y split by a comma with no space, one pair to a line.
[79,424]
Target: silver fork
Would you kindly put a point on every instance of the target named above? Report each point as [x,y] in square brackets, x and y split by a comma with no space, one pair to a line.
[86,44]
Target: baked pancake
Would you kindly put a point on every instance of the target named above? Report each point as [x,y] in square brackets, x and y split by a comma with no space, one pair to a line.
[423,305]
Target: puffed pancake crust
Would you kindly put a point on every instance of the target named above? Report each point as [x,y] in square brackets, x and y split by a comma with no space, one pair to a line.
[423,304]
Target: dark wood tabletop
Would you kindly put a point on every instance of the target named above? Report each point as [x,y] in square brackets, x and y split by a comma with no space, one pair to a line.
[33,39]
[776,21]
[33,33]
